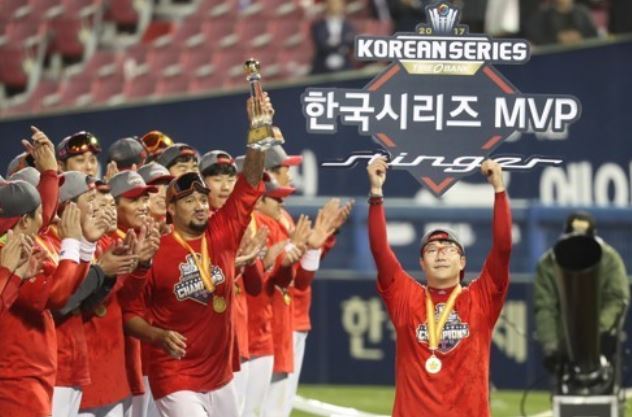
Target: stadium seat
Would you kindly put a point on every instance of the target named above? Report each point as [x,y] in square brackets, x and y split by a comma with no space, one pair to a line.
[108,85]
[124,12]
[252,32]
[172,81]
[205,79]
[139,86]
[73,91]
[195,56]
[219,32]
[69,36]
[162,53]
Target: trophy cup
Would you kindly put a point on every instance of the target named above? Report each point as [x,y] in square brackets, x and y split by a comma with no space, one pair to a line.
[262,135]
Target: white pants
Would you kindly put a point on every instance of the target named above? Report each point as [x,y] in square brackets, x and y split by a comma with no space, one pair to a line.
[219,403]
[144,405]
[240,380]
[120,409]
[66,401]
[260,375]
[278,399]
[299,339]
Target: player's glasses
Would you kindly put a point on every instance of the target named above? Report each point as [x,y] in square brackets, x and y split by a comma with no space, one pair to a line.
[156,141]
[79,143]
[434,250]
[185,185]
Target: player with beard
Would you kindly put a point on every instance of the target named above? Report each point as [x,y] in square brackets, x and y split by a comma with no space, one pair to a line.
[115,368]
[219,172]
[189,296]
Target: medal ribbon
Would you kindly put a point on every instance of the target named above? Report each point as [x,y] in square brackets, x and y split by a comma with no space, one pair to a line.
[203,267]
[435,329]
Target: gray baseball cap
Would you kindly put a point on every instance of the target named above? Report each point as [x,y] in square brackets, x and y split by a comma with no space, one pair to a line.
[17,198]
[28,174]
[170,154]
[75,184]
[215,157]
[17,163]
[441,233]
[129,184]
[276,156]
[154,173]
[127,152]
[273,189]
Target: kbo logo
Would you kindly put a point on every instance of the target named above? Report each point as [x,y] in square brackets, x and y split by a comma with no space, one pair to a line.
[440,105]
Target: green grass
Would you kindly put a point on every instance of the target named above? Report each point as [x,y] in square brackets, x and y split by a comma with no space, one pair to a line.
[379,399]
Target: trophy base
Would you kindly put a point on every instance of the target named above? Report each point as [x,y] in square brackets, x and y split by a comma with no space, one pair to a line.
[264,137]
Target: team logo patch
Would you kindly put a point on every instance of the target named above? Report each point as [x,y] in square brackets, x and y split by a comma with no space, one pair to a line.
[453,332]
[190,285]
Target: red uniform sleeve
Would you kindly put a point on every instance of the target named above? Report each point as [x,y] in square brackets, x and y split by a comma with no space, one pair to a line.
[385,261]
[134,301]
[229,223]
[303,278]
[66,279]
[283,276]
[48,188]
[329,245]
[494,279]
[9,287]
[133,285]
[51,289]
[253,277]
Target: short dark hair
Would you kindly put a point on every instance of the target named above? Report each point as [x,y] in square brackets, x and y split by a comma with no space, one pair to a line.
[220,169]
[584,216]
[182,159]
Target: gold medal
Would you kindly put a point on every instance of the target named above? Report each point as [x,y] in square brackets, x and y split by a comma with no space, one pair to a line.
[100,310]
[219,304]
[287,298]
[435,328]
[433,364]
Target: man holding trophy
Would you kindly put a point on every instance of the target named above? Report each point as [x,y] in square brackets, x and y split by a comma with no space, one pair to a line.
[189,292]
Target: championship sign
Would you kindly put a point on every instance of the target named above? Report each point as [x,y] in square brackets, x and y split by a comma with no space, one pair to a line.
[440,108]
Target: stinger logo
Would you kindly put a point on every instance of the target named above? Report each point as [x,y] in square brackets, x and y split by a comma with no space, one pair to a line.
[440,97]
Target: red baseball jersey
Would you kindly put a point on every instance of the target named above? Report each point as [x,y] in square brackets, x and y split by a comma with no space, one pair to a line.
[29,359]
[240,317]
[72,351]
[461,387]
[260,342]
[9,287]
[278,289]
[106,340]
[177,300]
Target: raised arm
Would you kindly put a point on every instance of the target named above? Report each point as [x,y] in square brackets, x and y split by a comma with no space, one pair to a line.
[385,261]
[497,262]
[43,152]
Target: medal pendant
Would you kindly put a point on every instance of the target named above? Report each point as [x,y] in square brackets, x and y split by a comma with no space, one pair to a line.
[287,298]
[433,365]
[100,310]
[219,304]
